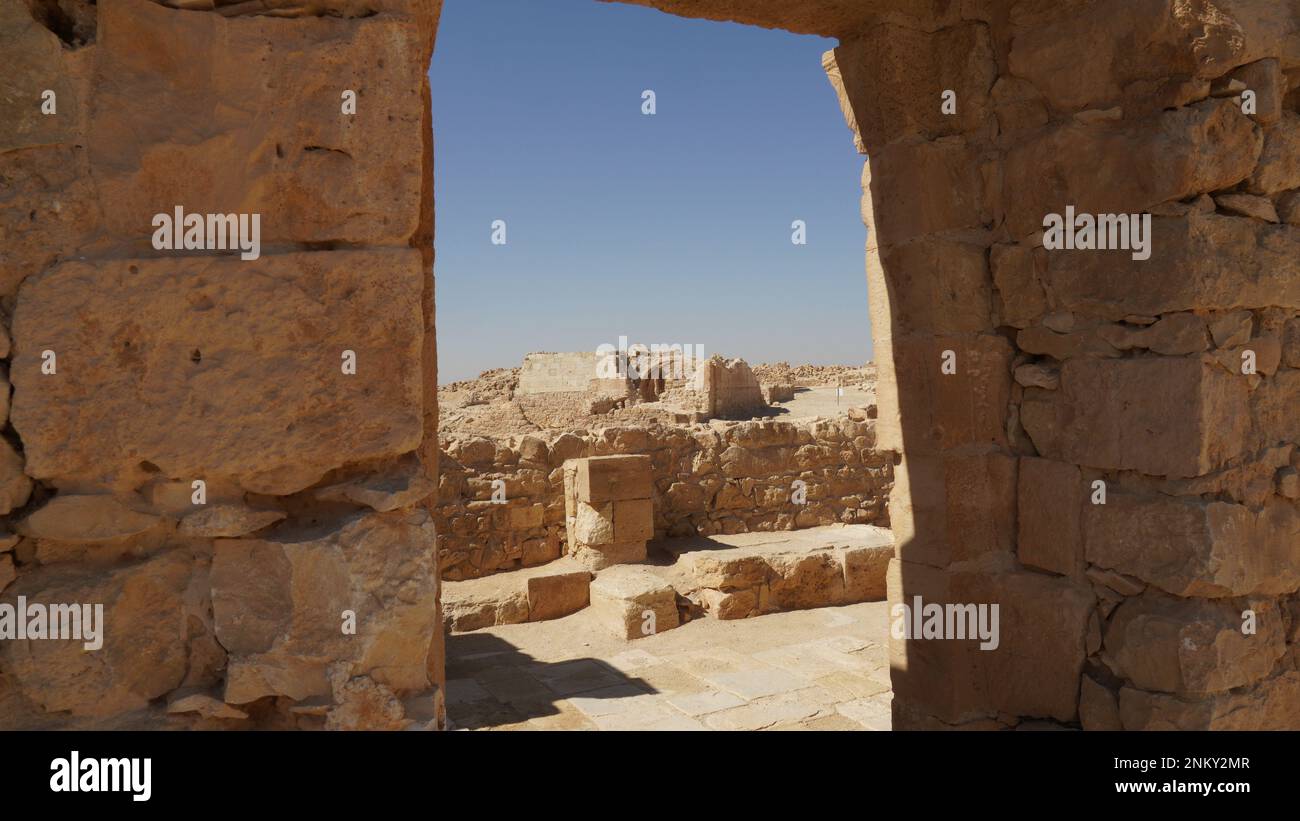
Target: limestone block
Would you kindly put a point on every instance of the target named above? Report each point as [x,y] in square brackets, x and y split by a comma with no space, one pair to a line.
[1203,147]
[633,602]
[926,188]
[1265,79]
[400,484]
[865,570]
[71,517]
[1051,498]
[1098,706]
[154,622]
[594,526]
[15,486]
[1200,262]
[888,69]
[954,508]
[1173,417]
[1272,704]
[1190,547]
[527,517]
[953,296]
[608,555]
[1193,645]
[249,140]
[556,595]
[230,390]
[602,479]
[278,604]
[226,521]
[633,520]
[1034,670]
[1279,163]
[802,582]
[1018,274]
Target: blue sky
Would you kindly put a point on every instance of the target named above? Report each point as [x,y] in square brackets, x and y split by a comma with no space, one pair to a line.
[671,228]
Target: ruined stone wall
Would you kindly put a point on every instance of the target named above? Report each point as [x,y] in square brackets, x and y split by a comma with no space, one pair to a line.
[556,373]
[220,446]
[720,478]
[1102,442]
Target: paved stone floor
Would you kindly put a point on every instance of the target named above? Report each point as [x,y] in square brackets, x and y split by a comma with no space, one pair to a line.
[823,669]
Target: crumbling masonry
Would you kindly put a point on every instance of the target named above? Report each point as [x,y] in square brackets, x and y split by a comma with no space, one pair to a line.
[1104,446]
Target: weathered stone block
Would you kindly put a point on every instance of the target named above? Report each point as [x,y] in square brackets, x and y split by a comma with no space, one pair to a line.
[1175,417]
[154,621]
[214,367]
[601,479]
[633,520]
[248,140]
[1193,645]
[556,595]
[633,602]
[1190,547]
[926,188]
[954,508]
[1051,497]
[1273,704]
[1203,147]
[277,604]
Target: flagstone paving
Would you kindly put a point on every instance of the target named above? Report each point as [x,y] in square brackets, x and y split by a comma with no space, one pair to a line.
[822,669]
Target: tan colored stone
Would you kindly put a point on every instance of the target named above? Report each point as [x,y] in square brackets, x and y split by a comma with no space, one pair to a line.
[1190,547]
[71,517]
[205,705]
[7,571]
[633,520]
[230,393]
[1172,335]
[154,619]
[926,188]
[1232,329]
[305,167]
[607,555]
[1193,645]
[594,526]
[1052,495]
[632,602]
[1203,262]
[1203,147]
[555,595]
[1273,704]
[278,604]
[1265,79]
[1172,417]
[1248,205]
[601,479]
[227,521]
[399,485]
[1279,164]
[15,486]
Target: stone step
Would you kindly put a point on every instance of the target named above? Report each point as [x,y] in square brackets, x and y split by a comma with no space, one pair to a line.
[749,574]
[724,577]
[549,591]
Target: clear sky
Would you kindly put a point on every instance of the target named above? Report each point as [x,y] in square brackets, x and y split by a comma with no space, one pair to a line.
[671,228]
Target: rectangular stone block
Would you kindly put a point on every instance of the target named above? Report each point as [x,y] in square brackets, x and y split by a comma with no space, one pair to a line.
[1034,669]
[632,602]
[238,137]
[218,367]
[634,520]
[527,517]
[1051,497]
[556,595]
[1170,416]
[1190,547]
[954,508]
[598,557]
[613,478]
[594,526]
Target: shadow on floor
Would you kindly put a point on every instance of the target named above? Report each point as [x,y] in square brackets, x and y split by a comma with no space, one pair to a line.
[492,683]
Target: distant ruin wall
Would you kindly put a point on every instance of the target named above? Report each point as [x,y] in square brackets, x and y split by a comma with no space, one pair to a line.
[721,478]
[556,373]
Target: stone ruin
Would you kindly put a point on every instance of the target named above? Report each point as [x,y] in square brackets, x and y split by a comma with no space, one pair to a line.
[1101,440]
[674,387]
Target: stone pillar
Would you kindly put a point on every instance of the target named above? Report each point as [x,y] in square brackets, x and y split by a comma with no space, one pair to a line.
[1103,443]
[227,446]
[608,509]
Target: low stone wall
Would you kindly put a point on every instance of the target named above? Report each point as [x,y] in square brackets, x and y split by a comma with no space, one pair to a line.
[723,477]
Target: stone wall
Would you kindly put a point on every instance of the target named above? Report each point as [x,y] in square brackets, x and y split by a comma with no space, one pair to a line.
[725,477]
[1081,444]
[186,444]
[556,373]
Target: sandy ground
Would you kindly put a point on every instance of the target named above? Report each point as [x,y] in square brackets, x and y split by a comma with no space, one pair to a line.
[823,669]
